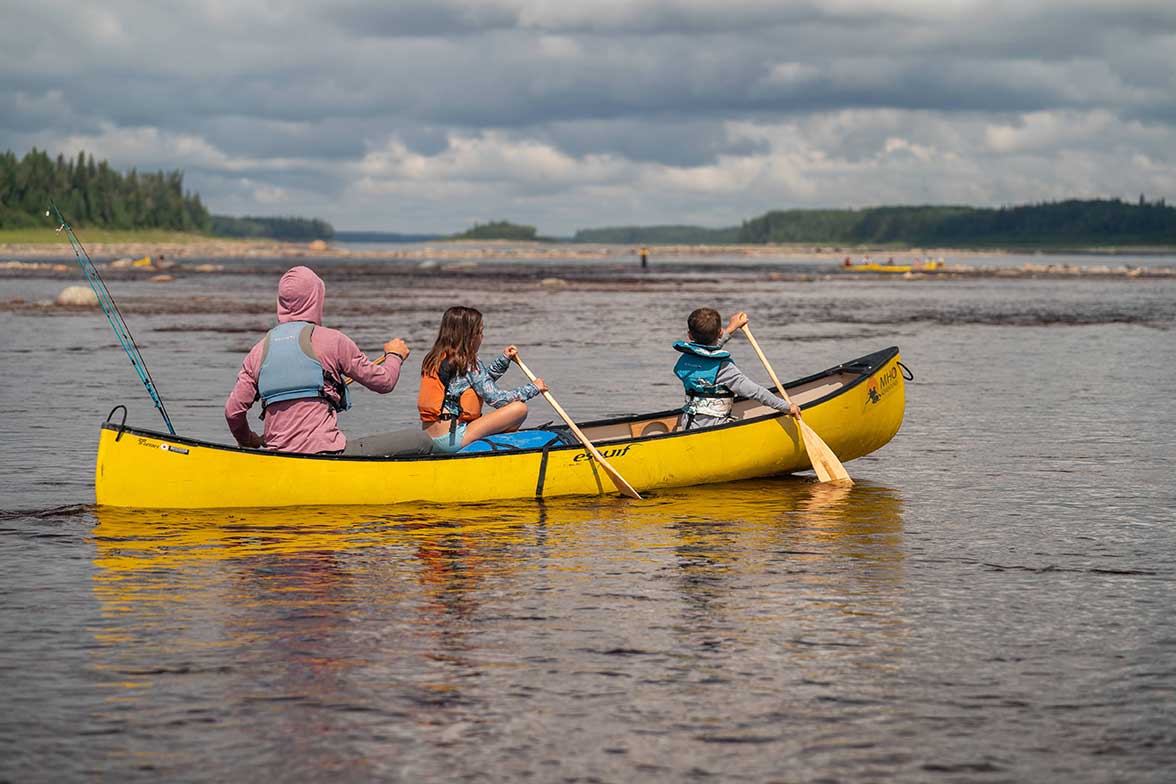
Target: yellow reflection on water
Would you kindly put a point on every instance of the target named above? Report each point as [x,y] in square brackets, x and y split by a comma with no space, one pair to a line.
[762,511]
[425,608]
[442,553]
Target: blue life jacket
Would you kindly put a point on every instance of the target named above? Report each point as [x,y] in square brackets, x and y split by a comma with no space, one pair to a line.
[290,370]
[698,370]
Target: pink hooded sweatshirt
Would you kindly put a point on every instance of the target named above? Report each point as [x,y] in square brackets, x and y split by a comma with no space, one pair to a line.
[306,425]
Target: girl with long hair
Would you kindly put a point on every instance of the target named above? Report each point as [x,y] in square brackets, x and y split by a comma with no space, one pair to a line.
[455,384]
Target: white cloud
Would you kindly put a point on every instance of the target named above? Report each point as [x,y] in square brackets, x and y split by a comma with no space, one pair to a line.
[266,194]
[792,73]
[1038,131]
[489,157]
[151,148]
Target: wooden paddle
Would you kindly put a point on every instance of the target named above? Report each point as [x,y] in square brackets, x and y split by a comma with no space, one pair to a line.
[825,462]
[622,486]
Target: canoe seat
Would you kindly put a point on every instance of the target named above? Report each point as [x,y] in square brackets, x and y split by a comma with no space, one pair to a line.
[653,427]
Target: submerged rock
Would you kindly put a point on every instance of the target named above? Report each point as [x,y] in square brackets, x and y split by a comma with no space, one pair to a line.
[77,297]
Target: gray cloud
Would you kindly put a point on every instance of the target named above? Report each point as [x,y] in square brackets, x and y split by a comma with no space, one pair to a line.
[435,18]
[670,141]
[419,115]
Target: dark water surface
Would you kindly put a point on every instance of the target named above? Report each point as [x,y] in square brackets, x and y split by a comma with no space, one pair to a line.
[993,601]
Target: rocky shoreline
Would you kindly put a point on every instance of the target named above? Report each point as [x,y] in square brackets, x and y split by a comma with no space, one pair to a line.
[160,262]
[476,249]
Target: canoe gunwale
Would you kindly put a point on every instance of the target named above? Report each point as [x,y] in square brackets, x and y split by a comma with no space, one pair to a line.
[863,367]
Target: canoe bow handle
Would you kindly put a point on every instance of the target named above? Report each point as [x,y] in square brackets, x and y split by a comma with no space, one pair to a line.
[122,425]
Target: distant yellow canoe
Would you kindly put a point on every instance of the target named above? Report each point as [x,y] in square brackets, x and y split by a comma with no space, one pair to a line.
[856,407]
[931,266]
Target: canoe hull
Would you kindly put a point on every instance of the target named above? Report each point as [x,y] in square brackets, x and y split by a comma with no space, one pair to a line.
[931,266]
[137,468]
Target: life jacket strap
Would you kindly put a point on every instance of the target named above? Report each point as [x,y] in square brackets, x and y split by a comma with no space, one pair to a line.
[700,393]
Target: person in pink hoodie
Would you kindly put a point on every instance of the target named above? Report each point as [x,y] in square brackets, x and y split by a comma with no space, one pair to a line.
[297,371]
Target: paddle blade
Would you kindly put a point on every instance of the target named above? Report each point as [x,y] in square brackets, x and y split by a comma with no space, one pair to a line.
[825,462]
[622,486]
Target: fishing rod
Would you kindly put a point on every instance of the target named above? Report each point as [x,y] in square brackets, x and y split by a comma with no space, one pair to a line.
[113,315]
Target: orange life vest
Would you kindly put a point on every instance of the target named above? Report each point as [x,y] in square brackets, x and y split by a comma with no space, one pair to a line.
[435,391]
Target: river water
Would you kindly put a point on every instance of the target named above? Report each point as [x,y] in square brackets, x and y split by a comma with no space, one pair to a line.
[992,601]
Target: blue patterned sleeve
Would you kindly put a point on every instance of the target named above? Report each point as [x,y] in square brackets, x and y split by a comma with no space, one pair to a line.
[499,367]
[483,383]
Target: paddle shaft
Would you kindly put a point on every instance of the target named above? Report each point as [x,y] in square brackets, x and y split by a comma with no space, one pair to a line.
[823,459]
[624,487]
[767,365]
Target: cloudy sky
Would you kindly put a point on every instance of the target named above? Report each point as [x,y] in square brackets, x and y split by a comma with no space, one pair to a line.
[429,115]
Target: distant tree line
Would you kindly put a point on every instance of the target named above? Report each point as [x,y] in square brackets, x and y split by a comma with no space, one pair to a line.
[659,235]
[1074,222]
[293,229]
[498,230]
[1065,223]
[382,236]
[91,193]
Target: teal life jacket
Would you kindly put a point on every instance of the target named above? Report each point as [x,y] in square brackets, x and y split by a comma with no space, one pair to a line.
[290,370]
[698,370]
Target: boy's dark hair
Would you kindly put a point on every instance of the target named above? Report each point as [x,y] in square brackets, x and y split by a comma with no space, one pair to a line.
[705,324]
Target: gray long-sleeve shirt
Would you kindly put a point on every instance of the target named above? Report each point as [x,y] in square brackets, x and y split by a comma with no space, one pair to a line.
[732,378]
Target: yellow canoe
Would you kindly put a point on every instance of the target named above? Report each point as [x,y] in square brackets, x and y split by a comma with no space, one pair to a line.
[931,266]
[856,407]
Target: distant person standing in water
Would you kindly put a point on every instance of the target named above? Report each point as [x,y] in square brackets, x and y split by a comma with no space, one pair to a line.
[297,372]
[644,258]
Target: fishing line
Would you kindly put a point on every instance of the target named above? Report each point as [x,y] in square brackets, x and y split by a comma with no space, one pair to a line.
[113,315]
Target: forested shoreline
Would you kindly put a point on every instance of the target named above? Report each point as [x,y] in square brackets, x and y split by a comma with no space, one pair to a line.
[1072,223]
[91,194]
[288,228]
[659,235]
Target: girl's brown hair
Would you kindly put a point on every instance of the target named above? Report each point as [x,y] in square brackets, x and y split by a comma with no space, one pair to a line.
[457,341]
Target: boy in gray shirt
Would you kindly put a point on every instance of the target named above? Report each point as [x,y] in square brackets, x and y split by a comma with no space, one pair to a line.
[711,379]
